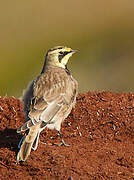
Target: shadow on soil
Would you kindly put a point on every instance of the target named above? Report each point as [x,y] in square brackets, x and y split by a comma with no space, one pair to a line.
[9,138]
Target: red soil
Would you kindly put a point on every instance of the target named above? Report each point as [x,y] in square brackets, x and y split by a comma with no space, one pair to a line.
[100,131]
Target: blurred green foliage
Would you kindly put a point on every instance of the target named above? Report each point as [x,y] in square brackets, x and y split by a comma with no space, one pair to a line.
[102,31]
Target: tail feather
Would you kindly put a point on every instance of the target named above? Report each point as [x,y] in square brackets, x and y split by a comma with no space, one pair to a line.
[20,143]
[28,124]
[35,144]
[26,144]
[24,151]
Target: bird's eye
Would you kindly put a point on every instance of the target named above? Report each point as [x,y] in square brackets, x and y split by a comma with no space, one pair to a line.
[61,52]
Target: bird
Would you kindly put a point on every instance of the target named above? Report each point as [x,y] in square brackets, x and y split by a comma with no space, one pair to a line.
[48,100]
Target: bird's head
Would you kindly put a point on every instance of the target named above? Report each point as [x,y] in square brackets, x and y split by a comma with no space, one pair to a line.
[58,56]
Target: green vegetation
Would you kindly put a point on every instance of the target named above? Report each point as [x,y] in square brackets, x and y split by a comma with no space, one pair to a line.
[102,31]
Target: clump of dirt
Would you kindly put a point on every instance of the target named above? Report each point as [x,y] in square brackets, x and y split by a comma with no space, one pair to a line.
[100,131]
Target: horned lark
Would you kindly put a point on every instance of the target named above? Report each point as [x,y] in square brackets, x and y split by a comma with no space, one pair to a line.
[48,99]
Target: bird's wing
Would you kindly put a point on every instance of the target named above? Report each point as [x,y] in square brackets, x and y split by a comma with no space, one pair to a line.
[47,102]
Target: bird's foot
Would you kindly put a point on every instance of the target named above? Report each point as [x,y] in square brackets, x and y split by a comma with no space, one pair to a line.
[61,144]
[62,141]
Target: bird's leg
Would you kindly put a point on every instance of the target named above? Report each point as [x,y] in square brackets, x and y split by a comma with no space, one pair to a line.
[62,140]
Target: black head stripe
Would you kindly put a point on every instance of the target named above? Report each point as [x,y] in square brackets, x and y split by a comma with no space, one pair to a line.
[62,54]
[55,48]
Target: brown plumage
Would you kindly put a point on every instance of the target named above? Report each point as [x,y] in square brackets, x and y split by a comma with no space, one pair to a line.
[48,99]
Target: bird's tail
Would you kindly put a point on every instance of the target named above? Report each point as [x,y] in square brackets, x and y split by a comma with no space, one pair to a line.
[27,142]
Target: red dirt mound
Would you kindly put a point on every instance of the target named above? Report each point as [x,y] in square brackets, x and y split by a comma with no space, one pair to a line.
[100,131]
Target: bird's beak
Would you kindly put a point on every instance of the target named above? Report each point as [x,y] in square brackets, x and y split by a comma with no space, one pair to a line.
[73,51]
